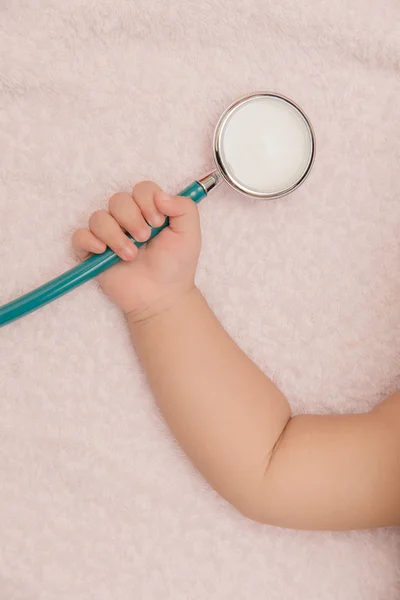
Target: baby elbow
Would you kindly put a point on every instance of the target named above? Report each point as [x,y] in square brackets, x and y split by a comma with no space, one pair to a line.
[253,508]
[252,514]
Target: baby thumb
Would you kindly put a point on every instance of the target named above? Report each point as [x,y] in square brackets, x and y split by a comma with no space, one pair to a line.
[182,212]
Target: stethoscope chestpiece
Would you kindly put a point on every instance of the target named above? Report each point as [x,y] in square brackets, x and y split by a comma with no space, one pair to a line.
[264,145]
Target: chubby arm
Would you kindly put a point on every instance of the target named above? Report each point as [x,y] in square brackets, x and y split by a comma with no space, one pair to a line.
[304,472]
[310,472]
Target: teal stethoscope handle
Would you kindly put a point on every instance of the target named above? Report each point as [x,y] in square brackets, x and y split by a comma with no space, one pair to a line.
[83,272]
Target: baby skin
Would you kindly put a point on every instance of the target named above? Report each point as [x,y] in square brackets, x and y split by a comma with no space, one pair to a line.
[330,472]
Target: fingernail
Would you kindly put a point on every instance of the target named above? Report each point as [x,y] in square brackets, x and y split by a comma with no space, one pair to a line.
[128,252]
[97,247]
[143,235]
[157,220]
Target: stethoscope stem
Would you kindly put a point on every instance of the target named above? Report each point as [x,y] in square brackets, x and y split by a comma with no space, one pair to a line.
[210,181]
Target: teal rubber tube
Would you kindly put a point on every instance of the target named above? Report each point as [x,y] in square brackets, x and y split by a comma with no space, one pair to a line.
[78,275]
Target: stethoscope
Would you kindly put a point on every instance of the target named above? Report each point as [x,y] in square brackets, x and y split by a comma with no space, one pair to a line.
[263,146]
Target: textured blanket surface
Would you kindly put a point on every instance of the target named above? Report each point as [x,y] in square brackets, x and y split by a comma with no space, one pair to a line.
[96,500]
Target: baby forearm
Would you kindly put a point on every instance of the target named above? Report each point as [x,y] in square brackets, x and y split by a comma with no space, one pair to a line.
[223,410]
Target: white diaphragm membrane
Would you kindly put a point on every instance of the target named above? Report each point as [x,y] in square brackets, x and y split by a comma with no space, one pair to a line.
[265,145]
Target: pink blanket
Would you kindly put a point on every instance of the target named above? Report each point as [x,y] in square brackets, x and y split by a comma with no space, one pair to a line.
[96,500]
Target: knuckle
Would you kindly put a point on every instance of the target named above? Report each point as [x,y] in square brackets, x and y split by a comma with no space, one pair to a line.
[77,237]
[118,199]
[96,218]
[145,186]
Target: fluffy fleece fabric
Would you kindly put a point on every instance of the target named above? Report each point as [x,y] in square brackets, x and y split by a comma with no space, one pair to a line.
[96,500]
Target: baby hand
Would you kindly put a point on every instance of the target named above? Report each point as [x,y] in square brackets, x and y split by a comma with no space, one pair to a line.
[150,279]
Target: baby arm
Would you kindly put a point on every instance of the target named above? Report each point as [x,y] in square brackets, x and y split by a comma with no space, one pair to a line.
[307,472]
